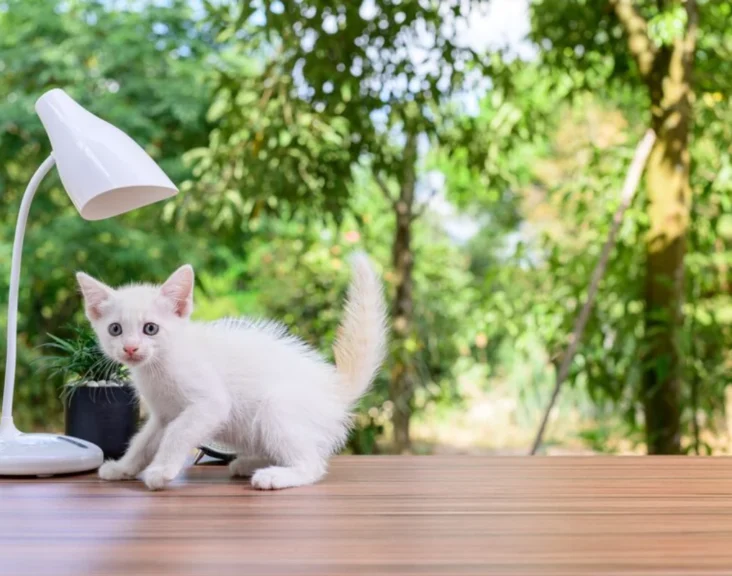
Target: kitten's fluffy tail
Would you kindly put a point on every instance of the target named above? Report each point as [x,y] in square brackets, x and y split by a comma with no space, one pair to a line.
[361,344]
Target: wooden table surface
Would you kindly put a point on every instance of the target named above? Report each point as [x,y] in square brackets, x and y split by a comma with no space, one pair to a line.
[385,515]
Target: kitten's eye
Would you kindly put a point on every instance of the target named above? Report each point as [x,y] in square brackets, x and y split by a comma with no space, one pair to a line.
[150,329]
[115,329]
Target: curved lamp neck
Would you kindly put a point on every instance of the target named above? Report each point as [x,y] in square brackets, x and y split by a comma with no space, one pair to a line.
[7,428]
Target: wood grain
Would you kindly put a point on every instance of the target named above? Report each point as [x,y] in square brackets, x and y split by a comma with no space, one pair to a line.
[385,515]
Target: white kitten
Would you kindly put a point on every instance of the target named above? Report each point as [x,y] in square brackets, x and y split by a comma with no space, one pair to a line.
[248,384]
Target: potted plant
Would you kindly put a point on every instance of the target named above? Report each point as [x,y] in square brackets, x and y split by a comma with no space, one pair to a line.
[100,405]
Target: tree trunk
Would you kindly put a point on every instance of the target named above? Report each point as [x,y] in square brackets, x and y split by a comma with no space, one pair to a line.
[669,204]
[401,386]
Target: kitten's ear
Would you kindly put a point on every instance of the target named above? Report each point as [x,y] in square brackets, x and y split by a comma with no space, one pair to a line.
[179,290]
[95,294]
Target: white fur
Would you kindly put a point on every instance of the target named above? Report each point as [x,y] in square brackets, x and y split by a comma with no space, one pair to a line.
[241,382]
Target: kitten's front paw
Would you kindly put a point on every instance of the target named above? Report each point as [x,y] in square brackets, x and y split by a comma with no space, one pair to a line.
[113,470]
[156,477]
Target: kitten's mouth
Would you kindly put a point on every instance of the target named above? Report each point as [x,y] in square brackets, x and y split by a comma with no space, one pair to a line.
[133,360]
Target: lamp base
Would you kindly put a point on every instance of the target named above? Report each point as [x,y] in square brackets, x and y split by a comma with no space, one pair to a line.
[45,454]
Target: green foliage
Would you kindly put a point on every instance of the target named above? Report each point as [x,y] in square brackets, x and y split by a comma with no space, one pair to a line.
[290,125]
[78,359]
[583,41]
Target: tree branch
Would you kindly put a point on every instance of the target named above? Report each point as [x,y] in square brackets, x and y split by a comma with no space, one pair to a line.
[384,189]
[636,27]
[692,27]
[626,197]
[426,204]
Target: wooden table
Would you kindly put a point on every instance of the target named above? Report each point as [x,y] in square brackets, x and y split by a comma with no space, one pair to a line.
[385,515]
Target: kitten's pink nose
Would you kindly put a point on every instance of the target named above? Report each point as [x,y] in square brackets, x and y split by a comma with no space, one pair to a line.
[130,349]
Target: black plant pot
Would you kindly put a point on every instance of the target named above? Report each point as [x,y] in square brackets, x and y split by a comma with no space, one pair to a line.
[106,416]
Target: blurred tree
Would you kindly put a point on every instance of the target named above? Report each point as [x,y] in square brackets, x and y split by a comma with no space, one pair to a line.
[310,89]
[664,42]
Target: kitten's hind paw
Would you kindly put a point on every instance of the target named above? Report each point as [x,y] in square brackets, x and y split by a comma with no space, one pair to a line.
[113,470]
[279,477]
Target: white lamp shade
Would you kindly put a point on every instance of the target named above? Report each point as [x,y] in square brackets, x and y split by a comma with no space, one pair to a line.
[104,171]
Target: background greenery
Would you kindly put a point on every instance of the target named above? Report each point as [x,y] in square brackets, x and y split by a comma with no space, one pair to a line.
[482,184]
